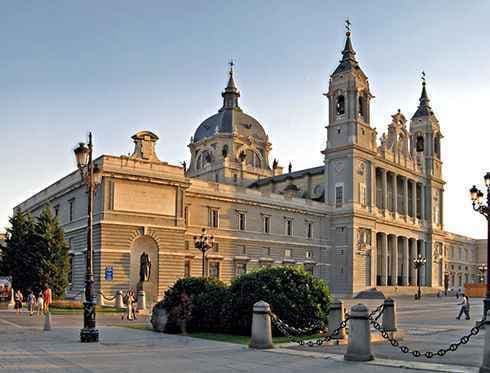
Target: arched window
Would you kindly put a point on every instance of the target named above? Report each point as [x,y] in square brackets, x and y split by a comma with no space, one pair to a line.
[204,158]
[419,144]
[361,106]
[437,146]
[253,159]
[340,105]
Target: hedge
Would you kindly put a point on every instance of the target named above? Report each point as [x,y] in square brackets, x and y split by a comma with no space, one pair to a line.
[211,306]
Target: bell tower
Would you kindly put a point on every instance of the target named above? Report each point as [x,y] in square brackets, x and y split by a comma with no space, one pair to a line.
[349,99]
[426,146]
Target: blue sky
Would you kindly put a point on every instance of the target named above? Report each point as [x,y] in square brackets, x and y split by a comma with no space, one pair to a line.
[116,67]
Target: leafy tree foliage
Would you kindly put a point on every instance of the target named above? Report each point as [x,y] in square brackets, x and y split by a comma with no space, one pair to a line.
[36,253]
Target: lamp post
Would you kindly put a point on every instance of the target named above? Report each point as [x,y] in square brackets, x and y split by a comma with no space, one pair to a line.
[446,282]
[418,263]
[482,268]
[91,177]
[204,242]
[484,209]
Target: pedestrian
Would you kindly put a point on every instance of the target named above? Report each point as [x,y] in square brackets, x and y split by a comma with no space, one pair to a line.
[40,303]
[465,307]
[133,299]
[126,299]
[18,297]
[31,300]
[48,298]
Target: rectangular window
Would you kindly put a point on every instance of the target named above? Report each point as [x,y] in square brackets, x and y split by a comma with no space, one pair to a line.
[56,210]
[71,209]
[339,195]
[309,230]
[267,224]
[287,253]
[309,268]
[186,244]
[240,269]
[308,254]
[289,227]
[214,270]
[216,247]
[242,221]
[268,251]
[213,218]
[187,268]
[70,270]
[244,250]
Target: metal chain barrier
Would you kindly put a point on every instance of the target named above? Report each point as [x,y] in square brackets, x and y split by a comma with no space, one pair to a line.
[109,299]
[284,329]
[379,309]
[427,354]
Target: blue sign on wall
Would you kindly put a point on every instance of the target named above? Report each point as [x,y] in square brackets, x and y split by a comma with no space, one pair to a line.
[108,273]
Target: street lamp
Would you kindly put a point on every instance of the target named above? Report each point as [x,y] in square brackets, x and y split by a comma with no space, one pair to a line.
[204,242]
[91,178]
[484,209]
[482,268]
[418,263]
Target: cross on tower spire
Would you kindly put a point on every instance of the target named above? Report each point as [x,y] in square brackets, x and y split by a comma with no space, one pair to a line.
[347,25]
[423,77]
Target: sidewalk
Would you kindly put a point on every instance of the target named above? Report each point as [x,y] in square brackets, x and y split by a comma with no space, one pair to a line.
[29,349]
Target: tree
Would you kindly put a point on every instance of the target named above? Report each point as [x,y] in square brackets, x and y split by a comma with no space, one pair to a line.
[52,252]
[19,258]
[36,253]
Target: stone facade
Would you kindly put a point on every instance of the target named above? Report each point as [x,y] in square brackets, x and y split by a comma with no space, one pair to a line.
[357,221]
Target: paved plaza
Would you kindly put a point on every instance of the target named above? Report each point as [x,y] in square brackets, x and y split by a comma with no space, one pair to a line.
[429,324]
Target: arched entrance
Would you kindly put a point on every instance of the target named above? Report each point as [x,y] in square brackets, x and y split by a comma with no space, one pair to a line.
[144,244]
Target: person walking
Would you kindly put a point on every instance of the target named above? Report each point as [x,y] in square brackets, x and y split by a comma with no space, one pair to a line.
[18,297]
[48,298]
[133,299]
[31,300]
[40,303]
[129,304]
[465,307]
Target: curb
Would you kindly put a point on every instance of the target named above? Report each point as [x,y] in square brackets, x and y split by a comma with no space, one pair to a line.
[402,364]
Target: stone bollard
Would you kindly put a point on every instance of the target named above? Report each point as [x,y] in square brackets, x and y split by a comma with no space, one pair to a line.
[335,317]
[47,321]
[261,326]
[485,367]
[100,298]
[389,316]
[141,300]
[359,346]
[119,300]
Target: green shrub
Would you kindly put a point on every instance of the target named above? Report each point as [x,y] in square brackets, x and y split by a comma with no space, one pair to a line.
[207,296]
[294,295]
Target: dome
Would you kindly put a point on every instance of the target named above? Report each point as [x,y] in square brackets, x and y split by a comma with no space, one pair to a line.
[230,118]
[228,121]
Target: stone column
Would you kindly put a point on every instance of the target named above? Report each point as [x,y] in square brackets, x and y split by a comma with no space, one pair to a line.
[422,202]
[374,258]
[394,260]
[413,254]
[414,200]
[423,269]
[406,262]
[385,188]
[405,196]
[335,317]
[395,194]
[384,259]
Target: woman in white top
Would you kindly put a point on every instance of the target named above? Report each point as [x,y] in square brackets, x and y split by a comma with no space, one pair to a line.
[40,303]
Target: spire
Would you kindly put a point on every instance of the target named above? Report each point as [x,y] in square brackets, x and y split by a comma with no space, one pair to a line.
[424,108]
[348,61]
[231,92]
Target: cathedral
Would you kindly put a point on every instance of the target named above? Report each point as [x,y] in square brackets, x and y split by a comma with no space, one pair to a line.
[357,221]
